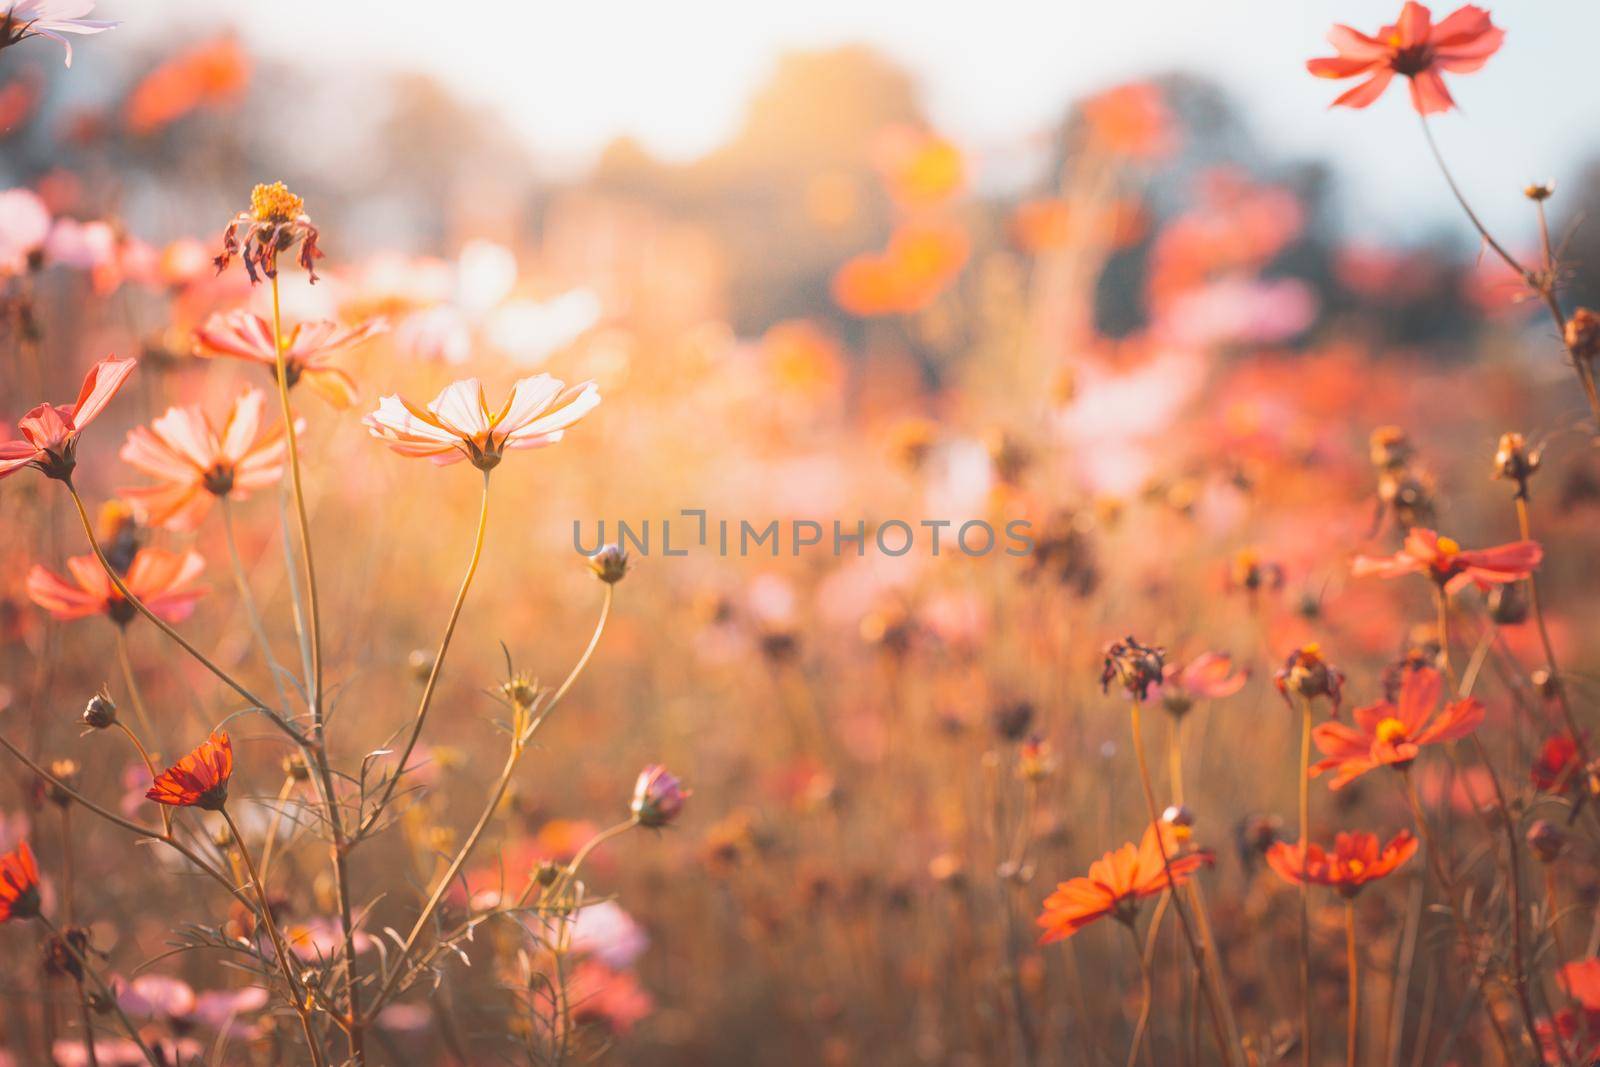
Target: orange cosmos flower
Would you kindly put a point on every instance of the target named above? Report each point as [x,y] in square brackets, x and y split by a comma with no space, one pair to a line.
[1388,734]
[198,462]
[198,780]
[19,884]
[276,222]
[1117,882]
[919,168]
[1131,120]
[212,72]
[459,425]
[50,432]
[922,259]
[1356,859]
[1453,567]
[159,578]
[1415,47]
[307,349]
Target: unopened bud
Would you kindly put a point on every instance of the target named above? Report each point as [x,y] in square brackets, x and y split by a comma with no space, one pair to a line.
[1546,840]
[101,711]
[1583,334]
[1514,460]
[610,563]
[1539,190]
[1508,605]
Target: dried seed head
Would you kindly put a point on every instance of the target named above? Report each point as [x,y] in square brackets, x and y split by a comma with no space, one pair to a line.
[1514,460]
[546,873]
[1011,720]
[294,766]
[100,712]
[610,563]
[1132,666]
[1583,335]
[1390,447]
[1546,840]
[275,203]
[1537,191]
[1508,605]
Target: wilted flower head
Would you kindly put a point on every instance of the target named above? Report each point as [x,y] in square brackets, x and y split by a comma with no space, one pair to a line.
[1413,46]
[1390,447]
[275,222]
[21,19]
[19,884]
[1306,674]
[459,424]
[199,779]
[657,797]
[1132,666]
[198,462]
[1451,566]
[50,432]
[1355,860]
[1514,460]
[1582,334]
[610,563]
[308,349]
[163,581]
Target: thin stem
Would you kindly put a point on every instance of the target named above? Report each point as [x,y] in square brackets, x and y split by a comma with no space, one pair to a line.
[1304,768]
[248,601]
[150,765]
[278,947]
[1353,1027]
[1211,995]
[1525,526]
[438,664]
[290,438]
[522,731]
[104,991]
[134,695]
[1144,1000]
[1472,216]
[273,824]
[1441,601]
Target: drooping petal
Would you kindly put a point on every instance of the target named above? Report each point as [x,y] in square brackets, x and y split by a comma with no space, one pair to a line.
[101,384]
[1429,95]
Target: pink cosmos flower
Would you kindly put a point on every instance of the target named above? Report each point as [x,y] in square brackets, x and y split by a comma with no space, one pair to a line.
[50,433]
[21,19]
[161,579]
[307,349]
[24,225]
[1452,566]
[197,462]
[459,424]
[1414,47]
[1209,676]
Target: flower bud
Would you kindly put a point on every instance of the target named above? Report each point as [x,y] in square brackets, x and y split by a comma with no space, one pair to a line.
[1508,605]
[64,771]
[546,873]
[1035,760]
[294,766]
[1390,448]
[101,711]
[657,797]
[1537,191]
[420,661]
[1546,840]
[610,563]
[1011,721]
[1583,334]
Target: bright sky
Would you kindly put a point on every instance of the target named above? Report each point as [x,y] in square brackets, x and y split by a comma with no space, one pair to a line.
[572,76]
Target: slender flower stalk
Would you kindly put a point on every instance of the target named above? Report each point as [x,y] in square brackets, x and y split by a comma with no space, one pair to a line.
[1352,1039]
[1304,772]
[104,990]
[247,600]
[126,663]
[1143,1022]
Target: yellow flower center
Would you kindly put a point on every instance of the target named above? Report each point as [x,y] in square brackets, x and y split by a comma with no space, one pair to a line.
[1447,546]
[275,203]
[1391,730]
[1355,867]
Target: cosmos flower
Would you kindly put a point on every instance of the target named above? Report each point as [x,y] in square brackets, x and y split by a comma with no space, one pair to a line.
[1209,676]
[1452,566]
[199,779]
[160,579]
[1414,47]
[275,222]
[459,425]
[50,432]
[21,19]
[1355,860]
[19,884]
[1576,1028]
[1556,765]
[1117,882]
[307,349]
[1392,735]
[198,462]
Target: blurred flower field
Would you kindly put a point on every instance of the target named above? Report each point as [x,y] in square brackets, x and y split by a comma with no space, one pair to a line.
[794,606]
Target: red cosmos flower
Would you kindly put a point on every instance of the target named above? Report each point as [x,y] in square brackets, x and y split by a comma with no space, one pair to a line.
[1117,882]
[19,884]
[157,577]
[1453,567]
[199,779]
[1393,734]
[1557,764]
[1574,1027]
[307,349]
[1415,47]
[198,462]
[50,432]
[1356,859]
